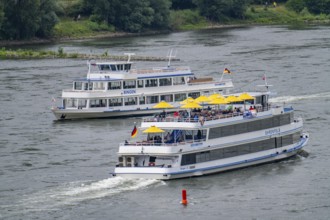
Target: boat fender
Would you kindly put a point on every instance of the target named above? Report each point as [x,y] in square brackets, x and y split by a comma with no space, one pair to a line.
[151,164]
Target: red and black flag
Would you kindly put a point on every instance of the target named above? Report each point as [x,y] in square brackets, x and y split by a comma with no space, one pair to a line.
[134,132]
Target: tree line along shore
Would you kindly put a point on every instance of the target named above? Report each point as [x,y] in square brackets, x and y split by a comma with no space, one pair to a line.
[34,21]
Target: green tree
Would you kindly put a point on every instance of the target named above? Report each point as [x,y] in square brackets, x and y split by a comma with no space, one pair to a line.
[319,6]
[25,19]
[161,18]
[296,5]
[21,19]
[1,13]
[221,10]
[48,18]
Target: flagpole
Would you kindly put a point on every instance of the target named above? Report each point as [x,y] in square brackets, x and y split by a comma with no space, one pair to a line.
[222,76]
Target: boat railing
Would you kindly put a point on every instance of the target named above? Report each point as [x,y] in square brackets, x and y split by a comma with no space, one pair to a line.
[158,70]
[163,143]
[202,116]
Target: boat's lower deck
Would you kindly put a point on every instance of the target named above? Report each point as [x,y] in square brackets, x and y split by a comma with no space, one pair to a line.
[211,167]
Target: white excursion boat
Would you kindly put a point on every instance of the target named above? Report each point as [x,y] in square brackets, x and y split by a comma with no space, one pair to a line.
[114,89]
[218,139]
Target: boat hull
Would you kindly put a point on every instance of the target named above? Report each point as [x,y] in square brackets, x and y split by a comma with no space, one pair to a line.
[71,114]
[209,168]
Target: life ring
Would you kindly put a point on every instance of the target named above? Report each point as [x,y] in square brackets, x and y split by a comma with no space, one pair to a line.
[151,164]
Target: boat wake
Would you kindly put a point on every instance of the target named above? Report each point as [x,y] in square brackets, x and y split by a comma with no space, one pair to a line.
[76,192]
[302,97]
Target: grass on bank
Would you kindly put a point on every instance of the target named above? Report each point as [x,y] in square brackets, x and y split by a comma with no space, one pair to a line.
[68,28]
[281,15]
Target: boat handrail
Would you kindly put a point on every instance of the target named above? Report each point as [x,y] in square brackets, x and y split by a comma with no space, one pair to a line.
[201,117]
[162,144]
[158,70]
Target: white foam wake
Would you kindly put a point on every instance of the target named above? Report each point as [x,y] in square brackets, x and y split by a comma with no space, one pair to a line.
[299,98]
[73,193]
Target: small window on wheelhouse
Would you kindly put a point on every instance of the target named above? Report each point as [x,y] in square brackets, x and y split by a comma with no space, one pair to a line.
[78,85]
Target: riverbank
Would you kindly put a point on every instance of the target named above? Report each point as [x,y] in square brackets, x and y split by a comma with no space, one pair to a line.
[32,54]
[69,30]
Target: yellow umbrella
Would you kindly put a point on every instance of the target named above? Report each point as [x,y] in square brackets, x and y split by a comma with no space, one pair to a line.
[216,96]
[218,102]
[187,100]
[163,104]
[202,98]
[153,129]
[191,105]
[233,99]
[245,96]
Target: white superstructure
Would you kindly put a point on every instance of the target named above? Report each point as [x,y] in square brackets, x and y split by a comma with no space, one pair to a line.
[216,140]
[114,89]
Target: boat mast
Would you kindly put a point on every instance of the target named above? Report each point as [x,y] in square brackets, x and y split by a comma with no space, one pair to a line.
[129,56]
[170,56]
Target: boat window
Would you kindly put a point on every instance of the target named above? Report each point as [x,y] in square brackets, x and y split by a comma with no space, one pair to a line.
[188,159]
[94,103]
[180,97]
[203,157]
[120,67]
[130,101]
[250,126]
[115,102]
[99,86]
[142,100]
[178,80]
[194,94]
[104,67]
[114,85]
[285,119]
[129,84]
[238,150]
[165,82]
[78,86]
[152,99]
[140,83]
[82,103]
[113,67]
[127,66]
[151,83]
[166,98]
[258,99]
[71,103]
[88,86]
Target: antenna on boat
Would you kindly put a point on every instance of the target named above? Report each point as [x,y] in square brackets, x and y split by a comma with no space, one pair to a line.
[129,56]
[266,85]
[170,56]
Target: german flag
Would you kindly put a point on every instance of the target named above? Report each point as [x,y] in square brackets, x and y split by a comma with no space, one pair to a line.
[134,132]
[226,71]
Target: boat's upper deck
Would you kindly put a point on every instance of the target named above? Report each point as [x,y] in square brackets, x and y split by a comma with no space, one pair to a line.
[123,70]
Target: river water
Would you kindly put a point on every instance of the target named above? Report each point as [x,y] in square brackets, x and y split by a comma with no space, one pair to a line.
[61,170]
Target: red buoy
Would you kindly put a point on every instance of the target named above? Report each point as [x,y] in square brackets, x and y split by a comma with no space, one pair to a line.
[184,197]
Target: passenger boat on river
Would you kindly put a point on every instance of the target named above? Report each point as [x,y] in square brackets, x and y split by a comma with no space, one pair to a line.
[114,89]
[183,145]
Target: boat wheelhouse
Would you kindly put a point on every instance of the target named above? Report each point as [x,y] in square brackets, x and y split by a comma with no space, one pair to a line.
[218,139]
[115,89]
